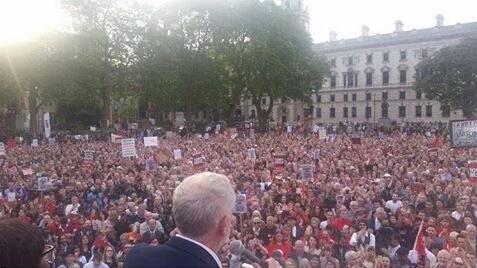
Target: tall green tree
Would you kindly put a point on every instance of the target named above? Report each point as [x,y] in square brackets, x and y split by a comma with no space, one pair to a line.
[178,68]
[450,76]
[268,53]
[108,32]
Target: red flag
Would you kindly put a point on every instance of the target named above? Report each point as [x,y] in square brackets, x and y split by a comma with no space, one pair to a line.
[419,244]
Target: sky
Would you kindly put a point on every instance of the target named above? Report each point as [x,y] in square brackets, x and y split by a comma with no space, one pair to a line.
[21,20]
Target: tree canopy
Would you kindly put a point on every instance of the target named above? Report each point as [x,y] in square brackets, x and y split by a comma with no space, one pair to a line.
[450,76]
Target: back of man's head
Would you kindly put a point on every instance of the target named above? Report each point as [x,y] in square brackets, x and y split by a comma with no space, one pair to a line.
[200,202]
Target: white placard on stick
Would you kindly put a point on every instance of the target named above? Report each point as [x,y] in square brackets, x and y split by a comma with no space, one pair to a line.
[306,172]
[240,204]
[42,184]
[128,147]
[150,141]
[34,143]
[177,154]
[322,134]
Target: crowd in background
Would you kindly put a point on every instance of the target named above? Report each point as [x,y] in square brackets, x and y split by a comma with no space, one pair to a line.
[362,206]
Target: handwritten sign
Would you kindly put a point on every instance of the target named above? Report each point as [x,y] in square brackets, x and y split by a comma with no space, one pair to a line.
[464,133]
[128,147]
[240,204]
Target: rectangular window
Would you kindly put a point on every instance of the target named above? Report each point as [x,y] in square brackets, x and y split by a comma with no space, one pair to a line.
[353,112]
[345,97]
[369,79]
[429,110]
[402,76]
[368,96]
[318,112]
[368,112]
[402,111]
[384,110]
[345,112]
[333,63]
[369,58]
[333,81]
[353,97]
[350,60]
[318,98]
[264,101]
[418,111]
[445,110]
[355,80]
[386,56]
[344,80]
[332,112]
[385,96]
[403,55]
[350,80]
[385,78]
[424,53]
[332,98]
[402,95]
[418,95]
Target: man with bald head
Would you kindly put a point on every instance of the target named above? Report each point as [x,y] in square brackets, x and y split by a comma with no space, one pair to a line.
[202,208]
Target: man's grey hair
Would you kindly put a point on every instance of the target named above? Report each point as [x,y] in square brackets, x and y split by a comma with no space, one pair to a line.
[200,201]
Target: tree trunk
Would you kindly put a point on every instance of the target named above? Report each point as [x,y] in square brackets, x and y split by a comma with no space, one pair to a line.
[262,115]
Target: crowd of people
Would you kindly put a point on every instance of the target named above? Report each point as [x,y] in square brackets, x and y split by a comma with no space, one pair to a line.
[362,203]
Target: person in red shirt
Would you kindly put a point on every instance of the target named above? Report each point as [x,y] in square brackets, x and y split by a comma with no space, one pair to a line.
[341,219]
[279,243]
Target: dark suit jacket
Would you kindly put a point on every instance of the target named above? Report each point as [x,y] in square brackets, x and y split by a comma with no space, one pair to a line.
[176,253]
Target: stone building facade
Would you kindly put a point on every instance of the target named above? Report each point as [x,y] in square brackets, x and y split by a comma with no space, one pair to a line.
[372,77]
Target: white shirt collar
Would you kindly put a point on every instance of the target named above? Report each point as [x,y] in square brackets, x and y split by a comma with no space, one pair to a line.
[216,258]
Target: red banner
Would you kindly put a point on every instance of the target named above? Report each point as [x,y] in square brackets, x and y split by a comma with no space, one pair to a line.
[473,172]
[279,162]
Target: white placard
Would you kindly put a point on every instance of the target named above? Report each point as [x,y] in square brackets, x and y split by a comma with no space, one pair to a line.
[322,134]
[150,141]
[115,138]
[46,124]
[217,127]
[2,148]
[42,184]
[177,154]
[463,133]
[128,147]
[92,129]
[306,172]
[289,129]
[240,204]
[34,143]
[206,136]
[89,155]
[251,154]
[51,141]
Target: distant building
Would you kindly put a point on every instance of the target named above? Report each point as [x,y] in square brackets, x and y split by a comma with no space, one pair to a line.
[372,76]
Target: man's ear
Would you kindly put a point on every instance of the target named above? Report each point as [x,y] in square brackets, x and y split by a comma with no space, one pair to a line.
[222,225]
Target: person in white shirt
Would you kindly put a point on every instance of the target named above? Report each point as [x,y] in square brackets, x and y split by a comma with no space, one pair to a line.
[73,207]
[394,204]
[96,262]
[362,238]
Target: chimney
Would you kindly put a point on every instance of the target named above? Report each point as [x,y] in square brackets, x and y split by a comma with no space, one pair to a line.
[364,31]
[333,36]
[399,26]
[439,20]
